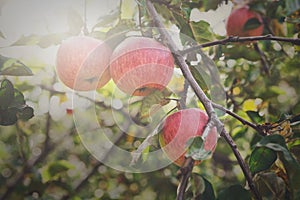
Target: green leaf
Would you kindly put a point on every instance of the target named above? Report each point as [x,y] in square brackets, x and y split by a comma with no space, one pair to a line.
[55,170]
[27,40]
[150,104]
[6,94]
[202,188]
[277,143]
[107,20]
[18,99]
[212,4]
[196,149]
[202,31]
[145,153]
[251,24]
[13,67]
[261,159]
[25,113]
[270,186]
[199,74]
[42,41]
[234,192]
[254,116]
[8,117]
[240,51]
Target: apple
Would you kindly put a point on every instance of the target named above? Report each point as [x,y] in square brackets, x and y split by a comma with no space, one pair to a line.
[235,24]
[179,127]
[140,65]
[82,63]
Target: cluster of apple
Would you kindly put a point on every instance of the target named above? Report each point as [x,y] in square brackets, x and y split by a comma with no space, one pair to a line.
[138,66]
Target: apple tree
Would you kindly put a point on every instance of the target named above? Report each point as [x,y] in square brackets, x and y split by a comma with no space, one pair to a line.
[154,99]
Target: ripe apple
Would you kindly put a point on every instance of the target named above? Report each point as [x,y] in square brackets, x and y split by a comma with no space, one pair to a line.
[82,63]
[140,65]
[235,25]
[179,127]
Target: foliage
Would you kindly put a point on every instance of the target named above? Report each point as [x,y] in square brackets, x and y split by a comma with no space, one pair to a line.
[43,157]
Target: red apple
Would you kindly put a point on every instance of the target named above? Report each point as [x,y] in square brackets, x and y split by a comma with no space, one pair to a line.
[179,127]
[82,63]
[140,65]
[235,25]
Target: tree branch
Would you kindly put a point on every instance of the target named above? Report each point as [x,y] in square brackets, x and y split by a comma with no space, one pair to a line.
[186,171]
[213,121]
[244,166]
[235,39]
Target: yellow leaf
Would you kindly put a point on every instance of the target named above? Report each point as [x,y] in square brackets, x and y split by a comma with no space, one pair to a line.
[128,9]
[249,105]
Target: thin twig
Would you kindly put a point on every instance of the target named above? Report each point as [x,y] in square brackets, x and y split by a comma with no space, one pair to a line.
[235,39]
[263,59]
[242,120]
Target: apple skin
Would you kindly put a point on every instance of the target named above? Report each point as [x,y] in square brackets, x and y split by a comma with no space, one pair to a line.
[179,127]
[140,65]
[237,20]
[82,63]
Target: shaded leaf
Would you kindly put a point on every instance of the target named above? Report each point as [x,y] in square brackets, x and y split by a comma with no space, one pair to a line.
[202,31]
[270,186]
[8,116]
[27,40]
[152,103]
[292,167]
[261,159]
[240,51]
[42,41]
[18,99]
[234,192]
[199,74]
[196,149]
[202,188]
[107,20]
[55,170]
[25,113]
[251,23]
[255,117]
[13,67]
[6,94]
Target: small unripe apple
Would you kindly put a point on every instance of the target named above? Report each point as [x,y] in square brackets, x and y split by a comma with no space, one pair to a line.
[235,25]
[82,63]
[181,126]
[140,65]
